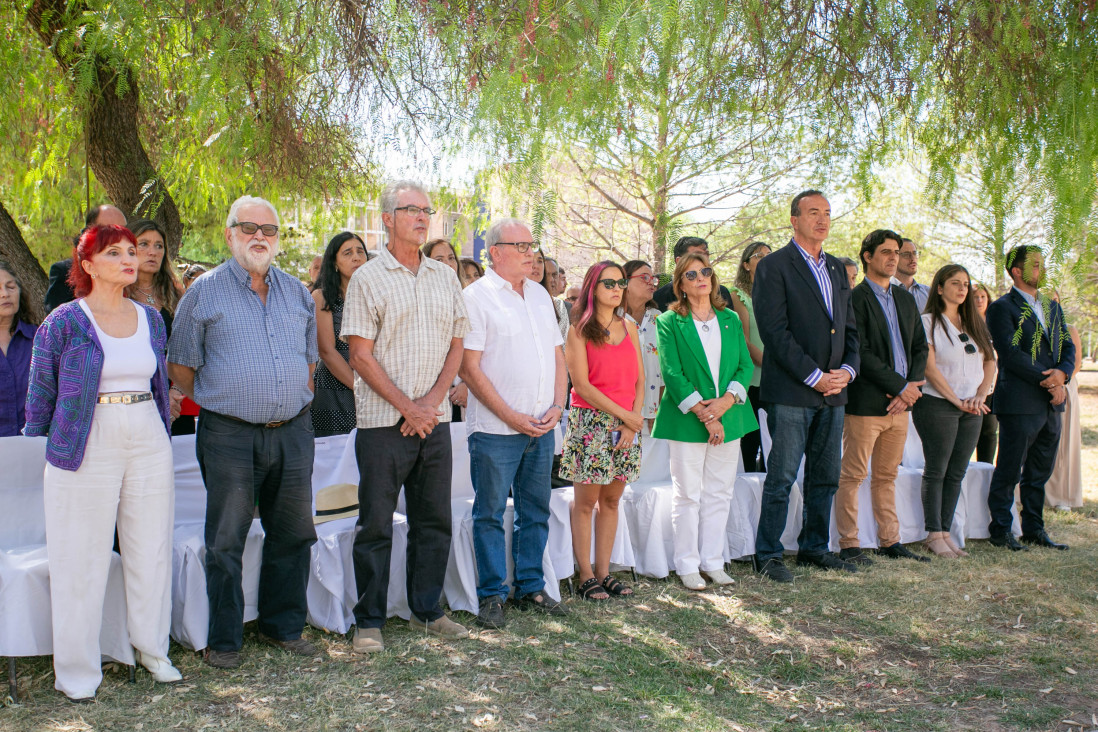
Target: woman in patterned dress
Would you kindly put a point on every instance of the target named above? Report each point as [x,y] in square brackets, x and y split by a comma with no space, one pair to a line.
[333,380]
[602,449]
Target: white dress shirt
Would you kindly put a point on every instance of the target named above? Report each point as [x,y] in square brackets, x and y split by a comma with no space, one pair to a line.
[518,337]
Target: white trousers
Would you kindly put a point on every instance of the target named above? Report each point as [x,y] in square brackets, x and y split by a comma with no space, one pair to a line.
[702,476]
[126,477]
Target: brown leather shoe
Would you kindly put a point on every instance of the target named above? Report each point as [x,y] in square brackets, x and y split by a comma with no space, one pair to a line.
[224,659]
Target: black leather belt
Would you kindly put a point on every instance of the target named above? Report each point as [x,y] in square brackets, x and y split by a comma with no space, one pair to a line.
[268,425]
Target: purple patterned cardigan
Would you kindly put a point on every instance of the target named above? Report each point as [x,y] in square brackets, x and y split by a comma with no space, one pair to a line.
[64,381]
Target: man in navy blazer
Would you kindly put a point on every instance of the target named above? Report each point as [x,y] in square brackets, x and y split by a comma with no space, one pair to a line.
[806,321]
[1029,398]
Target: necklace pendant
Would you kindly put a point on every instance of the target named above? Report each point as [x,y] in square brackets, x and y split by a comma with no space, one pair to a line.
[150,300]
[705,327]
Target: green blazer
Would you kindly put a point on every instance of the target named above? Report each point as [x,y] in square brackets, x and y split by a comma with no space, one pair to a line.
[686,372]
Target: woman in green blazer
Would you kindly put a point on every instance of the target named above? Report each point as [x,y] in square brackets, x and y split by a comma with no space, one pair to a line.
[702,417]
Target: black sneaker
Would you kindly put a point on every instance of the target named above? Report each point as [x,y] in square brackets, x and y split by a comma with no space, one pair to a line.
[542,603]
[490,614]
[775,569]
[825,561]
[899,551]
[855,555]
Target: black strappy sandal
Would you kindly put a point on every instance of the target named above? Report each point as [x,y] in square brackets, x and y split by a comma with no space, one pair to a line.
[616,588]
[588,589]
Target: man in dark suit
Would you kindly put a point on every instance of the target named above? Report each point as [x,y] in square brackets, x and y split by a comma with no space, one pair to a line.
[1029,398]
[806,320]
[664,296]
[893,352]
[58,292]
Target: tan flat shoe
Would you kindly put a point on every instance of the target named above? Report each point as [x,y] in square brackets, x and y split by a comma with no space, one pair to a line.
[936,544]
[953,545]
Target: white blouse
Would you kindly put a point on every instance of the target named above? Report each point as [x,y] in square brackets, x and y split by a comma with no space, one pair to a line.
[963,371]
[650,360]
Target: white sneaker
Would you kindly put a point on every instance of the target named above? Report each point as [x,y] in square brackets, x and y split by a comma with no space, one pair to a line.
[692,581]
[161,669]
[718,577]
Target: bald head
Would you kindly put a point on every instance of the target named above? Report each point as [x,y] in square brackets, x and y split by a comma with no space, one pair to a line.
[106,215]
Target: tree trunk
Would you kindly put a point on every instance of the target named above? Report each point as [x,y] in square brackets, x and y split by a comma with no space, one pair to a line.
[14,249]
[114,148]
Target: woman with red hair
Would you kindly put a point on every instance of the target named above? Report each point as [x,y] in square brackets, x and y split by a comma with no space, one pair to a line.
[602,448]
[99,393]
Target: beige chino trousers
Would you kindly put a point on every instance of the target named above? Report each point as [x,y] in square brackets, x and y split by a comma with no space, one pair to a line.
[882,439]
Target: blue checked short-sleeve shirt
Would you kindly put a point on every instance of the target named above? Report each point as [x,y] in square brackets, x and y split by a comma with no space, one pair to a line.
[251,360]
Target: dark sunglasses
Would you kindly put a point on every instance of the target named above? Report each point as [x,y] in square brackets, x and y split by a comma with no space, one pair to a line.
[692,275]
[610,284]
[969,348]
[249,228]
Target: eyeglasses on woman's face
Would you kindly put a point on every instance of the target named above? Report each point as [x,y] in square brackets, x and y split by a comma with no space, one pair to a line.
[610,284]
[645,278]
[692,274]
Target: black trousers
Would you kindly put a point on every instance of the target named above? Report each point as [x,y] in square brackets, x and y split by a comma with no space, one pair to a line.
[989,435]
[1027,453]
[948,436]
[386,461]
[247,466]
[751,443]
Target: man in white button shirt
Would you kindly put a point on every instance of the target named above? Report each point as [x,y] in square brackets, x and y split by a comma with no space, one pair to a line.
[514,367]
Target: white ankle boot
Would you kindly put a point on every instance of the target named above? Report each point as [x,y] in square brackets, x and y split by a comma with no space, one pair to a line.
[692,581]
[718,577]
[161,669]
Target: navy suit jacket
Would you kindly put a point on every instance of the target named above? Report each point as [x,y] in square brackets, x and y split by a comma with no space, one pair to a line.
[796,330]
[1018,389]
[59,292]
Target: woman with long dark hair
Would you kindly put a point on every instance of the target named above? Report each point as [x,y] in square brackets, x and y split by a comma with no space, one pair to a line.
[333,379]
[602,449]
[751,443]
[17,328]
[960,371]
[638,306]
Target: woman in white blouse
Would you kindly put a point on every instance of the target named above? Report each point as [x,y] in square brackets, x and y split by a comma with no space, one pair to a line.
[960,371]
[638,306]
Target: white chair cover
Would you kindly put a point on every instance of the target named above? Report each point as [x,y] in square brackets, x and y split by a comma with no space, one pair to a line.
[559,546]
[743,519]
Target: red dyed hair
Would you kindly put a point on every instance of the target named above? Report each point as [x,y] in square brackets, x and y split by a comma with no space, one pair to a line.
[93,240]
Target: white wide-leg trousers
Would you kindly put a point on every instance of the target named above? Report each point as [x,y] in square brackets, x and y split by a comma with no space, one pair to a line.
[702,476]
[126,477]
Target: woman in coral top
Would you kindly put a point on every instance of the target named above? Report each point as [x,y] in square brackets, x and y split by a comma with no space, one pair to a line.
[602,448]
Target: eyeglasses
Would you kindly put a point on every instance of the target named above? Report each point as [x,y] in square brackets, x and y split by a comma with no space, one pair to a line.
[416,210]
[645,278]
[758,255]
[692,275]
[249,228]
[521,246]
[969,348]
[909,255]
[611,284]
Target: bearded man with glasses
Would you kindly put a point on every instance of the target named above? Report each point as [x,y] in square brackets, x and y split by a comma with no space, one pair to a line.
[244,347]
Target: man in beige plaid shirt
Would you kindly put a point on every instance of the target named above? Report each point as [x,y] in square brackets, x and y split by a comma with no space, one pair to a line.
[404,320]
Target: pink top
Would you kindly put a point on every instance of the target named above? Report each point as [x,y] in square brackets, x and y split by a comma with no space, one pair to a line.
[613,370]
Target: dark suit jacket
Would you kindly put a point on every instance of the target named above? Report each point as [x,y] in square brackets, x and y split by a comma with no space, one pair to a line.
[58,292]
[664,296]
[1018,389]
[796,330]
[869,393]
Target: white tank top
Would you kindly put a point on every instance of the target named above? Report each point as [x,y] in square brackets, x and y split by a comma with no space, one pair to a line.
[128,363]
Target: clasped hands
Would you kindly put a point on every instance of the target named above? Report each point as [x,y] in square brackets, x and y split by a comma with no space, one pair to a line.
[1054,381]
[630,425]
[422,417]
[832,382]
[905,398]
[710,411]
[527,424]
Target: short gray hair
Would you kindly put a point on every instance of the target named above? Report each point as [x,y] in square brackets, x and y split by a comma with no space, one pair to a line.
[495,232]
[393,189]
[848,262]
[243,201]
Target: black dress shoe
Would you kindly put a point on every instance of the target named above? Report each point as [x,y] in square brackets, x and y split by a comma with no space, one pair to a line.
[775,569]
[855,555]
[899,551]
[827,561]
[1042,539]
[1008,541]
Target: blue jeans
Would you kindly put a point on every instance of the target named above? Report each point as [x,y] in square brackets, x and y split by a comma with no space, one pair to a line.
[521,465]
[815,433]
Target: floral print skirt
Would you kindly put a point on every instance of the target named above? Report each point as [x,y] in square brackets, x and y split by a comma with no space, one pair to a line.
[589,454]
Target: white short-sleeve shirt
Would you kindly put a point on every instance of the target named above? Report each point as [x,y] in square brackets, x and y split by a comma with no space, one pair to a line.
[963,371]
[518,336]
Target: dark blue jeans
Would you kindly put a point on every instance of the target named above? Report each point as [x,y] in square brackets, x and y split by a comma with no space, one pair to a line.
[1027,454]
[388,460]
[816,434]
[519,464]
[245,466]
